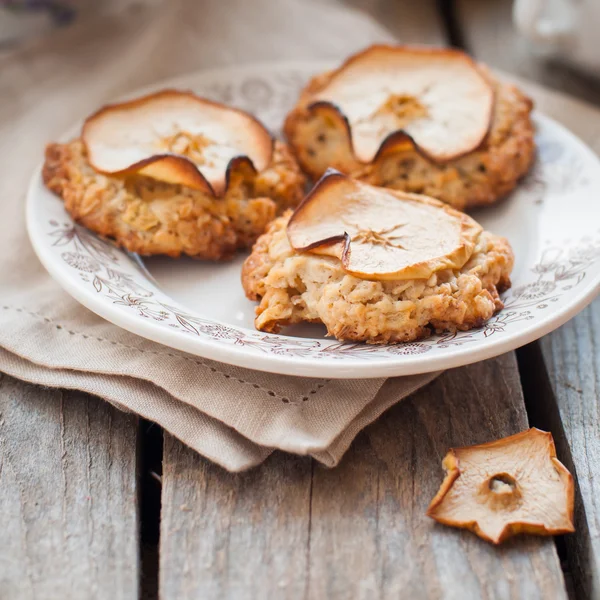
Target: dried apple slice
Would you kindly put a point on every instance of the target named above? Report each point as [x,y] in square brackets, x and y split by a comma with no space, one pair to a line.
[513,485]
[437,99]
[379,233]
[176,137]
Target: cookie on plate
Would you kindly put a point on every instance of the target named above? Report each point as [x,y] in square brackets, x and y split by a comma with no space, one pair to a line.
[376,265]
[422,120]
[172,173]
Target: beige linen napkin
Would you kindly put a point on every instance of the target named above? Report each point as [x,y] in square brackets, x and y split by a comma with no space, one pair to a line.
[233,416]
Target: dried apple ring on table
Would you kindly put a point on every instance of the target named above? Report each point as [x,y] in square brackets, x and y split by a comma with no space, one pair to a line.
[509,486]
[376,265]
[173,173]
[417,119]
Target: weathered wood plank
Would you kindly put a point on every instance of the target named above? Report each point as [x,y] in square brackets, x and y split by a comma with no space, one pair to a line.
[359,530]
[233,535]
[562,371]
[572,369]
[68,496]
[489,33]
[369,536]
[571,363]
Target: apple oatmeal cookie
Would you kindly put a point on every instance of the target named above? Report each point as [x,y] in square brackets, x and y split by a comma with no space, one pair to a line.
[423,120]
[178,194]
[382,295]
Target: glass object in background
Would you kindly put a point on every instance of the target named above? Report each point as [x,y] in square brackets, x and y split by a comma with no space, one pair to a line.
[563,29]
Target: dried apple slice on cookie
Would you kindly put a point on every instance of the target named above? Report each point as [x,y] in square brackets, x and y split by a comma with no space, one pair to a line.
[436,99]
[381,234]
[176,137]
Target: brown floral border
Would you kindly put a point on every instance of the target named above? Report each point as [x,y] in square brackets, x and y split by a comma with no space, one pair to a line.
[122,280]
[99,264]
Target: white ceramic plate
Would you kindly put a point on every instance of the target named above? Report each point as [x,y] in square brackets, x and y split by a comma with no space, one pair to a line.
[552,222]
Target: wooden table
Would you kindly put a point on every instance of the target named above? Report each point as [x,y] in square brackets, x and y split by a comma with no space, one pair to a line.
[96,504]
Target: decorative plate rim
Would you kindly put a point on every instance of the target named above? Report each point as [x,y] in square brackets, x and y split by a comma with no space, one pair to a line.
[278,356]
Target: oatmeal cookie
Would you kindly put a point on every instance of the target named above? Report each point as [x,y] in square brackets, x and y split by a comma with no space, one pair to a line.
[148,216]
[320,140]
[293,287]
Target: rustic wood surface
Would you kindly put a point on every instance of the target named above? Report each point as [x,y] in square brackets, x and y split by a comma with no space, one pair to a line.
[562,371]
[561,376]
[68,496]
[69,480]
[572,360]
[291,530]
[233,535]
[368,520]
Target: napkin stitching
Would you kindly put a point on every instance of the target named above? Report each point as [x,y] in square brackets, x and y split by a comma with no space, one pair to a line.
[257,386]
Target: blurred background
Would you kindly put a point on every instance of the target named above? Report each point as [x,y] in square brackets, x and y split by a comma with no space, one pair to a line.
[553,42]
[520,36]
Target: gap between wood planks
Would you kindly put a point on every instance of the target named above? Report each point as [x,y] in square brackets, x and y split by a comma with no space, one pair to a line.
[542,412]
[150,436]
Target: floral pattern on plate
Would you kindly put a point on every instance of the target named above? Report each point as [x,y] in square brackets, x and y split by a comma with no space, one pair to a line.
[558,274]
